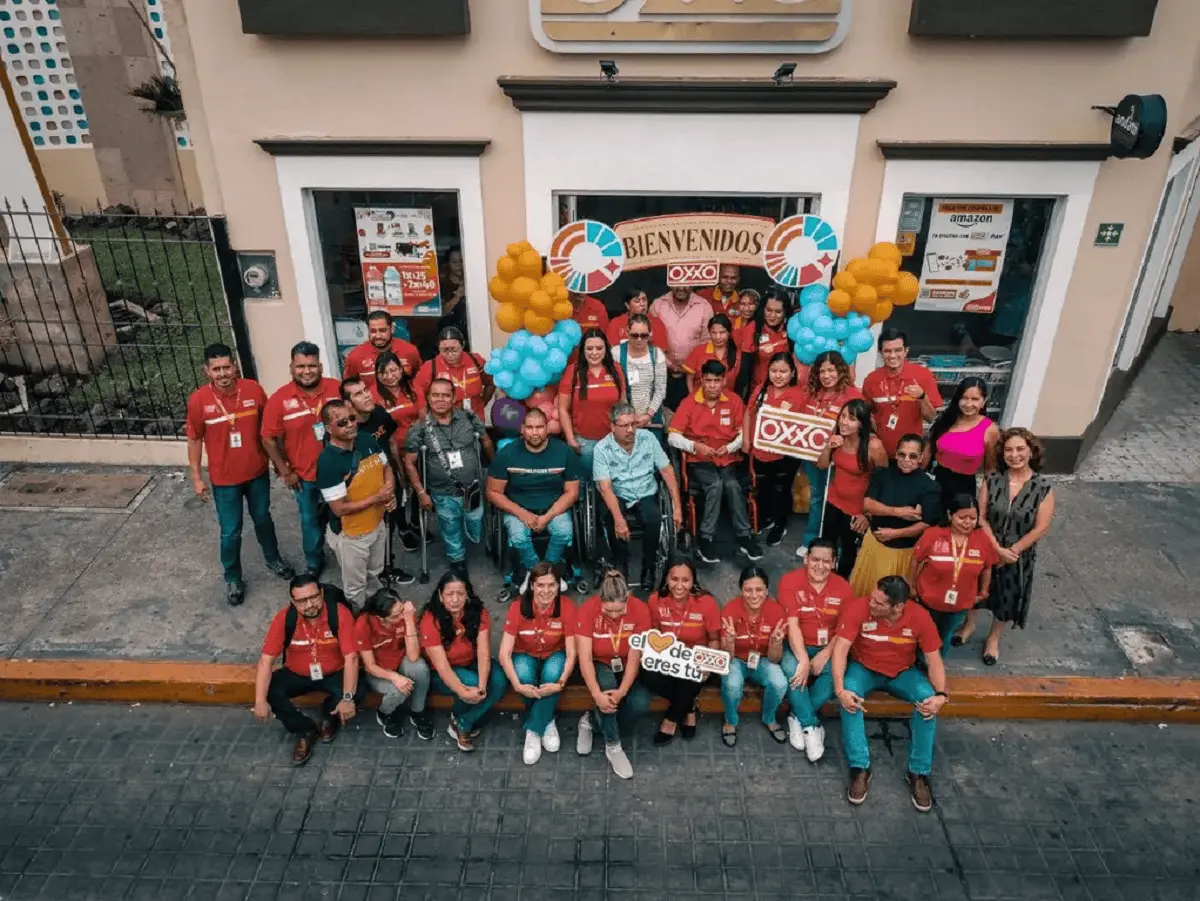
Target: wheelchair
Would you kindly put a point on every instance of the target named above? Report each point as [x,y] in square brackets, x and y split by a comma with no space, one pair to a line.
[495,542]
[666,536]
[693,499]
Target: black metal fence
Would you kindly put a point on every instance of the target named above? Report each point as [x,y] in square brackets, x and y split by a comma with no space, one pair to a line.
[104,317]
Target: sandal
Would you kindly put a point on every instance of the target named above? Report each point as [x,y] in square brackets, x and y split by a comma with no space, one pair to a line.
[778,732]
[664,738]
[688,729]
[729,737]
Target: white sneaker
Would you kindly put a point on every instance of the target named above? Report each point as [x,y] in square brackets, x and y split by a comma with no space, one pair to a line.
[524,585]
[620,763]
[550,739]
[814,743]
[795,733]
[801,552]
[583,744]
[533,748]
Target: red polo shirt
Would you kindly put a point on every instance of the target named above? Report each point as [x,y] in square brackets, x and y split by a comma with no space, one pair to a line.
[885,393]
[721,303]
[468,378]
[291,414]
[461,651]
[589,415]
[545,634]
[610,637]
[370,634]
[887,648]
[403,410]
[208,419]
[692,623]
[361,361]
[790,397]
[770,342]
[715,426]
[705,352]
[936,547]
[816,611]
[752,635]
[618,331]
[312,640]
[591,314]
[829,405]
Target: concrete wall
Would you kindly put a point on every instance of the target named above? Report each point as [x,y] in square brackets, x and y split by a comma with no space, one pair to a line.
[75,174]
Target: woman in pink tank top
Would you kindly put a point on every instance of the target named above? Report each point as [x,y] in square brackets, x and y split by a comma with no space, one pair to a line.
[962,441]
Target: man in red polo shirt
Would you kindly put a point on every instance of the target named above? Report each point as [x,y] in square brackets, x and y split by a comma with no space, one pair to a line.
[293,436]
[882,635]
[724,297]
[707,427]
[903,395]
[360,362]
[589,312]
[315,636]
[223,420]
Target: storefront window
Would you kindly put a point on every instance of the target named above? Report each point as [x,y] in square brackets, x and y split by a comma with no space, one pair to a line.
[394,250]
[978,261]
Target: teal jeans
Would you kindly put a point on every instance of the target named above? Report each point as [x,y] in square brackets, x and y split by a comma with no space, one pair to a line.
[634,705]
[807,700]
[911,686]
[539,713]
[769,676]
[469,715]
[947,624]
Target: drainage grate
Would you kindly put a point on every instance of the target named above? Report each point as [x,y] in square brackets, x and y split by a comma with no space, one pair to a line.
[101,491]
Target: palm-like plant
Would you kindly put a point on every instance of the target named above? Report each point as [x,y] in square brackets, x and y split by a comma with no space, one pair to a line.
[162,93]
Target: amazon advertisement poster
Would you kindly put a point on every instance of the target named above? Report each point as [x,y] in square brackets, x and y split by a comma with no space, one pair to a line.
[398,254]
[964,255]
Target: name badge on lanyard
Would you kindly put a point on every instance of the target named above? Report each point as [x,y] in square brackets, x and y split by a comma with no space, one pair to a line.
[893,421]
[752,660]
[822,637]
[315,672]
[319,430]
[235,440]
[454,459]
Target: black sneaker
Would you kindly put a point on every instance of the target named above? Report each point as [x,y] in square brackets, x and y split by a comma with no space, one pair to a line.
[423,724]
[410,541]
[392,725]
[401,576]
[706,550]
[749,546]
[235,593]
[282,568]
[775,536]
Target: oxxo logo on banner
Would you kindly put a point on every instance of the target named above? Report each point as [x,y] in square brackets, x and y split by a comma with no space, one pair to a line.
[692,273]
[790,433]
[663,653]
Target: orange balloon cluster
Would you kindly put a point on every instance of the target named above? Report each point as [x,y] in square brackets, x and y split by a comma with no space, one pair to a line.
[528,297]
[873,285]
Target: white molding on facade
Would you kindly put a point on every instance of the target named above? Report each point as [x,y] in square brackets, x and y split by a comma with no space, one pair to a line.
[299,176]
[1070,183]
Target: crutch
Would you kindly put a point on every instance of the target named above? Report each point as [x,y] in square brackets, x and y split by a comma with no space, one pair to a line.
[423,578]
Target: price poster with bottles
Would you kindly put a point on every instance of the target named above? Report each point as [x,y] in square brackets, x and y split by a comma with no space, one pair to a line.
[964,255]
[398,253]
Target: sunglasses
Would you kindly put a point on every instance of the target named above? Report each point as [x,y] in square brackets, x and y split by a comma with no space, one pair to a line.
[342,423]
[639,336]
[908,456]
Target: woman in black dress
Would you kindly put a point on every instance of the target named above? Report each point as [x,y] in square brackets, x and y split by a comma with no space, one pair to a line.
[1016,505]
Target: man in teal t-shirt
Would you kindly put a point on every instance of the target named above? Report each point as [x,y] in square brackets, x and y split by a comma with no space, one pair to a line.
[534,482]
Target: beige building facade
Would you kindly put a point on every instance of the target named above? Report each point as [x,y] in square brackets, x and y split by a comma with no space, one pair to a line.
[495,115]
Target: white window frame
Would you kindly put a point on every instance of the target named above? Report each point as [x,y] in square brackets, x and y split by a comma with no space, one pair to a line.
[300,176]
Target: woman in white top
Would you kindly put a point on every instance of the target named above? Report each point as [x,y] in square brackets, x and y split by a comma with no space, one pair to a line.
[645,368]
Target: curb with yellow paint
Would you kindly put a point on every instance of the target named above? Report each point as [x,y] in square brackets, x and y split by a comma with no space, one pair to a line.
[1127,699]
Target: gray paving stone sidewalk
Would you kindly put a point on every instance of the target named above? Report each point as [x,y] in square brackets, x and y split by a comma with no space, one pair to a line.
[165,803]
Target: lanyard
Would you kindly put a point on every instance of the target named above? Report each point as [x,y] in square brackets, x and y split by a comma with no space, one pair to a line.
[312,638]
[615,637]
[892,388]
[959,558]
[303,397]
[237,404]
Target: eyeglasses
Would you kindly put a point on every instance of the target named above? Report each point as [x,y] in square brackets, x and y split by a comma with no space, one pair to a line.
[900,456]
[308,599]
[342,423]
[638,336]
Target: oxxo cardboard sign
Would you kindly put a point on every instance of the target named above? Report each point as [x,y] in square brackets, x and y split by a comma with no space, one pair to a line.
[663,653]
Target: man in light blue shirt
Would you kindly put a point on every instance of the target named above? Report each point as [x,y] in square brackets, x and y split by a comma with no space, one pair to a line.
[624,466]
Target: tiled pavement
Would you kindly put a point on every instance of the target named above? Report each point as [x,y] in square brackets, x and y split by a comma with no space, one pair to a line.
[168,803]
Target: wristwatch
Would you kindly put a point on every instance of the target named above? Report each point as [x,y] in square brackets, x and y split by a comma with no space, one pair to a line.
[346,696]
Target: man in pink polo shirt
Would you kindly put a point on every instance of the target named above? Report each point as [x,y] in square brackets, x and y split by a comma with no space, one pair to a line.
[685,317]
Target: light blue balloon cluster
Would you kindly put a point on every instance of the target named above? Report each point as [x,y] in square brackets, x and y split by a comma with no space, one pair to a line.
[814,329]
[528,363]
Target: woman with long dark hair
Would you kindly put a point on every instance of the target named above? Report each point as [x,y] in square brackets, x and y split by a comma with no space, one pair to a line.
[636,304]
[537,653]
[763,339]
[683,608]
[386,634]
[721,347]
[473,387]
[753,629]
[394,392]
[962,440]
[773,473]
[587,391]
[455,636]
[852,452]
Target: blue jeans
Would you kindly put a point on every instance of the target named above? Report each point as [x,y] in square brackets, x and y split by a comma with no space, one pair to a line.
[227,499]
[520,539]
[635,704]
[469,715]
[769,676]
[312,530]
[454,521]
[531,671]
[911,686]
[807,700]
[816,500]
[947,624]
[587,452]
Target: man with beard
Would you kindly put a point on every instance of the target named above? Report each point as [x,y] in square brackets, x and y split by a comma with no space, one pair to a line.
[724,296]
[360,361]
[293,437]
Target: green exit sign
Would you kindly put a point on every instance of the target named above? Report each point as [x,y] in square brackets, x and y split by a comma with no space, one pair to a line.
[1109,234]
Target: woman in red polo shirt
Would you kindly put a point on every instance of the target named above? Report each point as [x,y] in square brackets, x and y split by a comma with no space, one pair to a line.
[472,386]
[773,474]
[764,338]
[952,567]
[394,392]
[753,629]
[537,654]
[390,649]
[586,392]
[680,606]
[852,452]
[454,633]
[609,666]
[720,347]
[636,303]
[747,306]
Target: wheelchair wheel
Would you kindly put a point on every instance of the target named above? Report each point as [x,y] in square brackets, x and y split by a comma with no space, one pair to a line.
[493,534]
[590,539]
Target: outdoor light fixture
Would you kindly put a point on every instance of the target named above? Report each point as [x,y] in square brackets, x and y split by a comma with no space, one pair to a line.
[609,70]
[784,73]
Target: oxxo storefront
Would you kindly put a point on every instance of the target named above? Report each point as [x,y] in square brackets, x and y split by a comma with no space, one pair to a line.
[495,118]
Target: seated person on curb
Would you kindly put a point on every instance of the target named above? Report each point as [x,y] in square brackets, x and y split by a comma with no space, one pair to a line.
[876,648]
[455,443]
[534,482]
[392,664]
[537,653]
[357,483]
[707,427]
[753,628]
[624,464]
[610,667]
[315,637]
[455,635]
[812,597]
